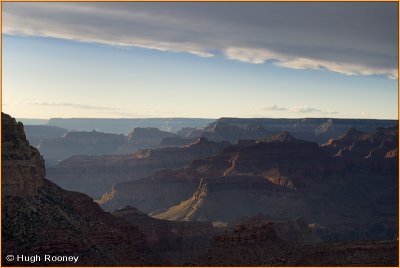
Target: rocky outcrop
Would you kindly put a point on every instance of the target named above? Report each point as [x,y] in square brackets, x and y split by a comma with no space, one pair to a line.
[312,129]
[249,245]
[288,162]
[347,139]
[259,245]
[297,232]
[144,138]
[23,168]
[79,143]
[281,159]
[376,150]
[255,241]
[36,133]
[38,217]
[189,132]
[279,176]
[178,242]
[176,142]
[221,131]
[125,125]
[51,220]
[55,221]
[360,253]
[224,199]
[157,192]
[95,175]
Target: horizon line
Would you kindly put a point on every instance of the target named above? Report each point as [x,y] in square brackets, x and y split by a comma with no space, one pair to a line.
[205,118]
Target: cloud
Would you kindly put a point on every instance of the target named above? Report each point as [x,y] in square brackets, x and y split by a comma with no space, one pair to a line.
[352,38]
[364,114]
[72,105]
[298,109]
[303,109]
[332,112]
[259,56]
[338,67]
[274,108]
[250,55]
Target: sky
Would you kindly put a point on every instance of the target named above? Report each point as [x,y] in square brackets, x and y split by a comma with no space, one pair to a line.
[210,60]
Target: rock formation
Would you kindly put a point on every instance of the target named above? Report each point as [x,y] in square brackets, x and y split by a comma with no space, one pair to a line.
[125,125]
[279,176]
[312,129]
[375,150]
[189,132]
[286,162]
[79,143]
[175,142]
[177,242]
[360,253]
[38,217]
[95,175]
[144,138]
[23,168]
[260,245]
[248,245]
[221,131]
[36,133]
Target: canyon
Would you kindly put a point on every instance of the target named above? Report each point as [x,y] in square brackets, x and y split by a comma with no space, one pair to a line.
[277,200]
[282,177]
[95,175]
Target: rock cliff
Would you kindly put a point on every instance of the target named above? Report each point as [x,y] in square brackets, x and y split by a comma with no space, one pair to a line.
[23,168]
[144,138]
[287,162]
[95,175]
[38,217]
[175,142]
[279,176]
[178,242]
[375,150]
[79,143]
[312,129]
[260,245]
[36,133]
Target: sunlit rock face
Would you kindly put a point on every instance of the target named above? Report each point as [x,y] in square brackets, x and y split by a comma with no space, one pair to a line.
[377,150]
[96,175]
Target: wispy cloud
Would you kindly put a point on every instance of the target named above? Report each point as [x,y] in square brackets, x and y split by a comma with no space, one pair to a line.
[347,38]
[296,109]
[331,112]
[338,67]
[251,55]
[274,108]
[72,105]
[364,114]
[259,56]
[303,109]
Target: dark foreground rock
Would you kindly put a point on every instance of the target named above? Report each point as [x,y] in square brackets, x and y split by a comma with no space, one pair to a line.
[39,218]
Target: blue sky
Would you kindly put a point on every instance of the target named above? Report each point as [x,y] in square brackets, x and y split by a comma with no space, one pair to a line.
[78,69]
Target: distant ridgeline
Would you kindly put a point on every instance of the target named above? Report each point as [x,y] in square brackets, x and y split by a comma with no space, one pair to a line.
[296,125]
[61,138]
[306,123]
[125,125]
[313,129]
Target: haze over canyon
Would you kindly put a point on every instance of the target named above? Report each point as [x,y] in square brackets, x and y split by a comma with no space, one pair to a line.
[270,191]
